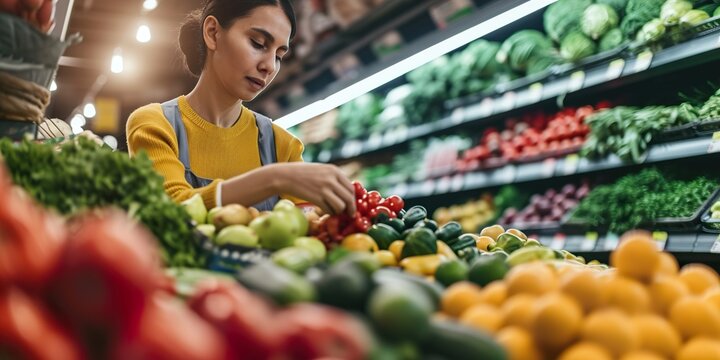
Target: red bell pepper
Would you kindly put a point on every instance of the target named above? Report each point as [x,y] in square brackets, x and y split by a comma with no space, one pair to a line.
[28,331]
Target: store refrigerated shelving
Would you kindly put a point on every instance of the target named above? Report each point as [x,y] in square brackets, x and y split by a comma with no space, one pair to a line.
[550,168]
[625,69]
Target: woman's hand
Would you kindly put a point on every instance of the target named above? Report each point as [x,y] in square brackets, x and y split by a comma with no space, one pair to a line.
[323,185]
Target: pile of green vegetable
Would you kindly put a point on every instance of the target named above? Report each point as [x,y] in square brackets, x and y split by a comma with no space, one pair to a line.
[627,131]
[711,109]
[475,69]
[652,20]
[527,52]
[356,117]
[639,199]
[430,84]
[84,176]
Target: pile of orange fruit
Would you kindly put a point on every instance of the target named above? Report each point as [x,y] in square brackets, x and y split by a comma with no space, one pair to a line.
[644,307]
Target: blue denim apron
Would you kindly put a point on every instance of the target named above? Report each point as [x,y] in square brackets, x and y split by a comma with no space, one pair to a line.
[266,147]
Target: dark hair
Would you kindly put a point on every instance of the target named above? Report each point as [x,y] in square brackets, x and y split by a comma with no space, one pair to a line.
[191,39]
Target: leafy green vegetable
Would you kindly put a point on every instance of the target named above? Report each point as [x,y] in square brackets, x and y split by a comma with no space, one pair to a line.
[671,11]
[692,18]
[652,31]
[356,117]
[430,85]
[84,176]
[474,68]
[711,109]
[627,131]
[598,19]
[521,47]
[564,17]
[637,14]
[611,40]
[638,199]
[617,5]
[576,46]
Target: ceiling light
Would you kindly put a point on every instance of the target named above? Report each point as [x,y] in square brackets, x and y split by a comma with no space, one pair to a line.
[116,66]
[89,110]
[410,63]
[143,34]
[53,86]
[150,5]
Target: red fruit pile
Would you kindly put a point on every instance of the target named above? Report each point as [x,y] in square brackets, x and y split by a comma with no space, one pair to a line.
[370,204]
[547,208]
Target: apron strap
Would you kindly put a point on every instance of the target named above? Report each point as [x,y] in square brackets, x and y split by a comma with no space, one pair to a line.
[266,140]
[171,110]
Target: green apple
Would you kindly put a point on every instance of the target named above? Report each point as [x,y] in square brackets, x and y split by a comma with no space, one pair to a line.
[239,235]
[275,230]
[295,215]
[211,215]
[316,247]
[207,230]
[195,207]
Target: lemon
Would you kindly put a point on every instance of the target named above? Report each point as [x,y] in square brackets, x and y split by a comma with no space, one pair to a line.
[396,248]
[386,258]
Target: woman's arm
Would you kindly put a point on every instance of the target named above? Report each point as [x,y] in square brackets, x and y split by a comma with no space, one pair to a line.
[321,184]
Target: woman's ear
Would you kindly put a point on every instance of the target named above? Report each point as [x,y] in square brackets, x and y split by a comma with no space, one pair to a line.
[211,29]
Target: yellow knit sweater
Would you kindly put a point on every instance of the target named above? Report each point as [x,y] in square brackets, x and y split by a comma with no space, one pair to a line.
[215,153]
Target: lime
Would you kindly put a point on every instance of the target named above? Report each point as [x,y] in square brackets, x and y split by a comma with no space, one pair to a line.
[451,272]
[488,268]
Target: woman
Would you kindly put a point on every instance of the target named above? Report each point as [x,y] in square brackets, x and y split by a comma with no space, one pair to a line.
[209,143]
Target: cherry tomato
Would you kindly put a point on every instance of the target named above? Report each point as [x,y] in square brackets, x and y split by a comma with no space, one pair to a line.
[373,198]
[395,203]
[384,210]
[362,206]
[359,190]
[362,224]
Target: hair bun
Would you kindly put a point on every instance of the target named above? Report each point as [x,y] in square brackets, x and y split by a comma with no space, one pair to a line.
[192,43]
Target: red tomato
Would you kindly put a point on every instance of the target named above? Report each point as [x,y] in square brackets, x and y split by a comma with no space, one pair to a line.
[359,190]
[374,198]
[362,206]
[395,203]
[384,210]
[362,224]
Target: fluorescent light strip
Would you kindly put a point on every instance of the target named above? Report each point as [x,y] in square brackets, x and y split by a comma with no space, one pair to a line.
[413,62]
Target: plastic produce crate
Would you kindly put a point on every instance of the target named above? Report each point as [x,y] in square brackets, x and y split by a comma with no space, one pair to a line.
[228,258]
[707,127]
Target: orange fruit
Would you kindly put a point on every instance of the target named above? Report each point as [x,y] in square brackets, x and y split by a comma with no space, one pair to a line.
[668,265]
[612,329]
[626,294]
[694,316]
[586,351]
[583,286]
[518,343]
[459,297]
[657,335]
[637,256]
[533,278]
[665,291]
[556,321]
[700,348]
[494,293]
[699,278]
[641,355]
[713,296]
[360,242]
[482,317]
[519,310]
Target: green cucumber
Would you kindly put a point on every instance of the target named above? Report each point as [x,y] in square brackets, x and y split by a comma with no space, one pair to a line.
[463,242]
[383,235]
[451,340]
[282,286]
[428,224]
[396,224]
[449,231]
[400,311]
[344,285]
[413,215]
[393,276]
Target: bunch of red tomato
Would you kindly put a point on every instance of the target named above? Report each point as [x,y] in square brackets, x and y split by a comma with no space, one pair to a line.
[370,205]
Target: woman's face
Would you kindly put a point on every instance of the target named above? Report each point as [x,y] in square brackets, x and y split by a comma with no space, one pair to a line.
[249,52]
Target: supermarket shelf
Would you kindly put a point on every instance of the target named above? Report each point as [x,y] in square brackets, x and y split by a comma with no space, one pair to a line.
[612,73]
[569,165]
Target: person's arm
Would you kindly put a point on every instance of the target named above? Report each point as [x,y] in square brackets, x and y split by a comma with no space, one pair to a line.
[147,130]
[323,185]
